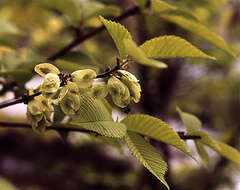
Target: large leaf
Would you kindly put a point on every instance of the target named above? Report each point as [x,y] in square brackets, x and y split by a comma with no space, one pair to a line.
[159,6]
[191,122]
[171,47]
[73,61]
[202,152]
[156,129]
[228,152]
[118,33]
[137,54]
[93,115]
[147,155]
[198,29]
[206,139]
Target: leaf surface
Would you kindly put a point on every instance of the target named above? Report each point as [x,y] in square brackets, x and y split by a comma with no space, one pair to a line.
[93,115]
[202,152]
[172,47]
[191,122]
[156,129]
[118,33]
[228,152]
[138,55]
[206,139]
[147,155]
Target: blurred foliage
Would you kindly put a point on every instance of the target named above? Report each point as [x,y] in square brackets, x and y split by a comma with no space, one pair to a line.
[30,31]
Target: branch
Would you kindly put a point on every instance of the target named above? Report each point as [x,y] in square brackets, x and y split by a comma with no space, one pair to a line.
[26,98]
[78,40]
[81,38]
[62,128]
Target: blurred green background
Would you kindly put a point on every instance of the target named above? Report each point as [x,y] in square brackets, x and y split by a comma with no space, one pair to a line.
[32,30]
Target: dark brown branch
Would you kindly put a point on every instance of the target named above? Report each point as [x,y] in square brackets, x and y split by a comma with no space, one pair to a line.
[23,99]
[79,39]
[58,128]
[61,128]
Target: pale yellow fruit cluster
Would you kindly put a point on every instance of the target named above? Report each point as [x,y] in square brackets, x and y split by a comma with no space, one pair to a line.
[122,86]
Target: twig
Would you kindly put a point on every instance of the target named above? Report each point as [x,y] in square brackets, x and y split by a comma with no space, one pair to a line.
[79,39]
[26,98]
[23,99]
[62,128]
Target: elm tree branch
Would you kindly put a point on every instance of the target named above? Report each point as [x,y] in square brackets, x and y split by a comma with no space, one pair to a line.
[26,98]
[83,37]
[62,128]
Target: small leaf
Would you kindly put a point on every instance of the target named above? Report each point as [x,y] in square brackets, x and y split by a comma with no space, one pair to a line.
[94,115]
[156,129]
[202,152]
[147,155]
[191,122]
[171,47]
[199,29]
[206,139]
[228,152]
[137,54]
[118,33]
[159,6]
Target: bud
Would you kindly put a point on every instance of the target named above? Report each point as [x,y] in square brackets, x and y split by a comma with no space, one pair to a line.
[84,78]
[45,68]
[51,83]
[99,90]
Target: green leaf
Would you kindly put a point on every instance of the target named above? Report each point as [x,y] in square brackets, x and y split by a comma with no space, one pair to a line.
[118,33]
[202,152]
[147,155]
[7,185]
[93,115]
[199,29]
[73,61]
[7,28]
[206,139]
[191,122]
[114,142]
[171,47]
[137,54]
[228,152]
[159,6]
[68,7]
[156,129]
